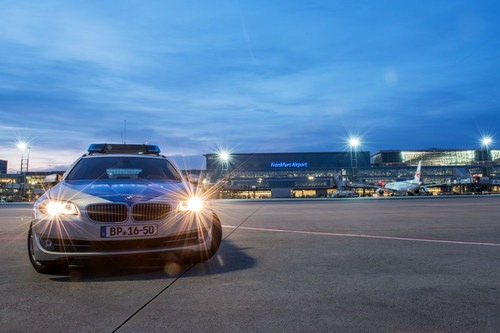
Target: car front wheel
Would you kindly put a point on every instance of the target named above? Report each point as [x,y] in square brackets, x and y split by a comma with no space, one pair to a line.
[44,268]
[209,252]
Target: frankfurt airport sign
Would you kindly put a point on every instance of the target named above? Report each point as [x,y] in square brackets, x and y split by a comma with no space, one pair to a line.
[296,165]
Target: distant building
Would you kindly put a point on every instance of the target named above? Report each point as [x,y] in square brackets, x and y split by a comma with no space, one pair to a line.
[322,174]
[3,167]
[283,174]
[436,157]
[23,187]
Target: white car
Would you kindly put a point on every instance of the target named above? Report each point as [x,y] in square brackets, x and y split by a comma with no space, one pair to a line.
[121,200]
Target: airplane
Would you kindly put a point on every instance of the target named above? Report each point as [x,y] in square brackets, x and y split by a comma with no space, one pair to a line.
[408,187]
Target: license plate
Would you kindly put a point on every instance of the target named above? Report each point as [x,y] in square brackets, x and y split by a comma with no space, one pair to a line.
[129,231]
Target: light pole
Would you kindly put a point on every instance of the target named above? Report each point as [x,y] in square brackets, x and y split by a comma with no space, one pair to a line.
[354,143]
[224,157]
[23,146]
[486,142]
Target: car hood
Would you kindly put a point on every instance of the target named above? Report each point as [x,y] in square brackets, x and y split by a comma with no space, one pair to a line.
[130,192]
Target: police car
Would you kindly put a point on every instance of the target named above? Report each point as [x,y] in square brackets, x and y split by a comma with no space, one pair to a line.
[120,200]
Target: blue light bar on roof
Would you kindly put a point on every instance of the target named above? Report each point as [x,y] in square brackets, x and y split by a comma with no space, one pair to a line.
[96,148]
[152,149]
[109,148]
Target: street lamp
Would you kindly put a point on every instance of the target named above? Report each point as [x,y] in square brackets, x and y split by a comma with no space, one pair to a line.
[224,157]
[486,142]
[354,143]
[23,146]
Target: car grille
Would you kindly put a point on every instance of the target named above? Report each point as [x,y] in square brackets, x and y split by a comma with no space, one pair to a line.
[115,213]
[107,212]
[150,211]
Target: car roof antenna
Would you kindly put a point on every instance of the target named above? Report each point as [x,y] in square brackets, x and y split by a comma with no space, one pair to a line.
[124,133]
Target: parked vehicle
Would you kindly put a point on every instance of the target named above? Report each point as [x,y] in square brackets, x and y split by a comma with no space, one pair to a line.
[120,200]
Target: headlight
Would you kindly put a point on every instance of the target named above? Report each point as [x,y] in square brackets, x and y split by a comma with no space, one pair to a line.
[193,204]
[57,208]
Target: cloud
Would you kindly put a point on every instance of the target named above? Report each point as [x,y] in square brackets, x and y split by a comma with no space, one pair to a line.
[253,76]
[58,32]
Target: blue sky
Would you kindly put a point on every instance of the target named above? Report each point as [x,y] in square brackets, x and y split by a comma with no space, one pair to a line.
[248,76]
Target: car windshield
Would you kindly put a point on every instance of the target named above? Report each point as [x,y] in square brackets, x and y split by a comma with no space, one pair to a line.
[123,168]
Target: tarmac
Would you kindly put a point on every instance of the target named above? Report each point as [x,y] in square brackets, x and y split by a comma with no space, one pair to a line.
[429,264]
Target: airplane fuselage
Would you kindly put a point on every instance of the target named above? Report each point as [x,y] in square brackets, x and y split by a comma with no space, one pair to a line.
[403,187]
[409,187]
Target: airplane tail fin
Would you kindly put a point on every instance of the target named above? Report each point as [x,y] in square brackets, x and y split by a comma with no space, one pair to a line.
[418,173]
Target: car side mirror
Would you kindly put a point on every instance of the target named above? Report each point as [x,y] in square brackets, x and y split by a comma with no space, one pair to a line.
[51,180]
[193,179]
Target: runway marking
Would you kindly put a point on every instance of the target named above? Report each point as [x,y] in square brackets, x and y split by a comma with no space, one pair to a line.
[427,240]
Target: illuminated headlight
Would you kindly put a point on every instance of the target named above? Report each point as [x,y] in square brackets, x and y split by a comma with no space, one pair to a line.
[57,208]
[193,204]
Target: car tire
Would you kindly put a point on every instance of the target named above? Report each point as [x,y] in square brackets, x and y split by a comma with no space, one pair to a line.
[43,268]
[216,239]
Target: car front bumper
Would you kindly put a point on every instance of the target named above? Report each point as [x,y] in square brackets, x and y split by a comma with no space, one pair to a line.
[61,240]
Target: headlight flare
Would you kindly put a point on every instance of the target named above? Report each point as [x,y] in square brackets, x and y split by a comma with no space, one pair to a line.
[58,208]
[193,204]
[55,224]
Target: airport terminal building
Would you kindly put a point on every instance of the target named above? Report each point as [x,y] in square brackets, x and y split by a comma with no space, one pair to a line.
[281,174]
[322,174]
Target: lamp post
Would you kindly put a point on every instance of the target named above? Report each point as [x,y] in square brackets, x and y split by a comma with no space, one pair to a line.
[486,142]
[224,158]
[354,143]
[485,148]
[23,147]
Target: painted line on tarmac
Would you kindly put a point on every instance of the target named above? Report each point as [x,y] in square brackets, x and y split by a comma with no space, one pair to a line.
[427,240]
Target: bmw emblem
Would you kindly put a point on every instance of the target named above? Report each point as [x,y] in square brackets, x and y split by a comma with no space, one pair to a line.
[129,197]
